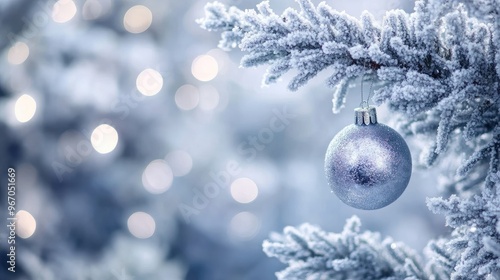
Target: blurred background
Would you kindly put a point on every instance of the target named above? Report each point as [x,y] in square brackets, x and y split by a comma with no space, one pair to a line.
[144,152]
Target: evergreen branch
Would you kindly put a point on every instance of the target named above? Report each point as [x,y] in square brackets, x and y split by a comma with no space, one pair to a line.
[311,253]
[475,241]
[436,65]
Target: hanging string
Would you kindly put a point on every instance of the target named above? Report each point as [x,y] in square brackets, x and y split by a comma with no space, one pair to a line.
[362,104]
[369,93]
[365,103]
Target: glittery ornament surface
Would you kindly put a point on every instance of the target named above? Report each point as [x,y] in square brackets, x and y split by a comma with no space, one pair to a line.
[368,166]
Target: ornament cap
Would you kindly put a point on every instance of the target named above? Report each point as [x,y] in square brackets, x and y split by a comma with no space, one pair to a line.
[365,116]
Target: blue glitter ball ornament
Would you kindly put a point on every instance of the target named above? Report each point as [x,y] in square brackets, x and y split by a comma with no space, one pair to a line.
[367,164]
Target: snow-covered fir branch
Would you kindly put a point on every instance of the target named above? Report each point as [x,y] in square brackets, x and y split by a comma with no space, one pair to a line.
[314,254]
[472,253]
[436,65]
[474,247]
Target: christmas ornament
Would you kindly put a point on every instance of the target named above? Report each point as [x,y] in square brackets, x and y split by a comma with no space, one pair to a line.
[367,164]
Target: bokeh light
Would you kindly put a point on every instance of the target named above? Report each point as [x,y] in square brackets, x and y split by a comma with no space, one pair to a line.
[63,11]
[204,68]
[244,190]
[18,53]
[180,162]
[157,177]
[25,108]
[149,82]
[244,226]
[92,9]
[137,19]
[26,224]
[187,97]
[104,138]
[209,98]
[141,225]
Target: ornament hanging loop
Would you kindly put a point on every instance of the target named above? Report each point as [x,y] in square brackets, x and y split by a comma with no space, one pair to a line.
[365,103]
[365,114]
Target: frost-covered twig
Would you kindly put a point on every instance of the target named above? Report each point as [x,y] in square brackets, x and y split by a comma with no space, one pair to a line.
[314,254]
[475,243]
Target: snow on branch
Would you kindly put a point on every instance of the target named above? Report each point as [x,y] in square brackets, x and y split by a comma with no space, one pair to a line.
[311,253]
[309,41]
[436,65]
[473,250]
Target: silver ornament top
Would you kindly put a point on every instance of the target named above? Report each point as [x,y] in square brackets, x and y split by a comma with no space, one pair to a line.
[365,116]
